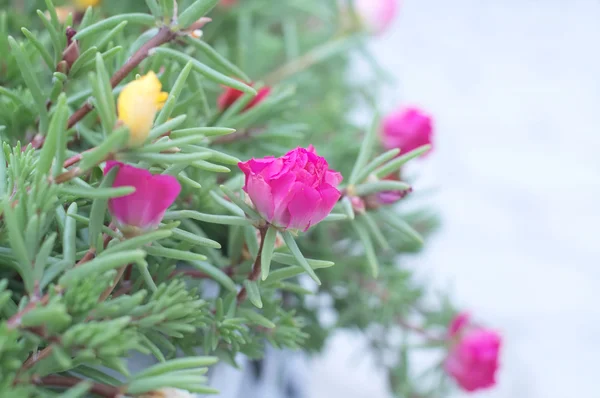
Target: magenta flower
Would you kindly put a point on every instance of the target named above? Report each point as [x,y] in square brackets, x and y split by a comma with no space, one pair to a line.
[473,357]
[145,208]
[406,129]
[295,191]
[376,15]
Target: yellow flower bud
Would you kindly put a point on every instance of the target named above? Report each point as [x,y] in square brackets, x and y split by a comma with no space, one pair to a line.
[137,106]
[83,4]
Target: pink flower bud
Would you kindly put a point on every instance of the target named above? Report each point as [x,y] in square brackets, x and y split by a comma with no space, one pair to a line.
[230,95]
[71,53]
[294,191]
[473,357]
[406,129]
[376,15]
[391,197]
[144,209]
[358,205]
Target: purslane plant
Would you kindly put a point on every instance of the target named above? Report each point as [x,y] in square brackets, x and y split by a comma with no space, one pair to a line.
[162,193]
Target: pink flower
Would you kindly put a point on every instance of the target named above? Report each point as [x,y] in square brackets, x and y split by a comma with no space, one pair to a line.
[406,129]
[145,208]
[376,15]
[294,191]
[230,95]
[473,357]
[391,197]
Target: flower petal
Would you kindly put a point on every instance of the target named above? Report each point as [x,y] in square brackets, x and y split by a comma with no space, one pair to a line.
[302,206]
[329,197]
[153,194]
[260,193]
[165,189]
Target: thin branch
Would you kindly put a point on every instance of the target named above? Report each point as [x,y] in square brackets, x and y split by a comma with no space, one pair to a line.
[104,390]
[68,175]
[124,289]
[15,320]
[192,273]
[75,158]
[196,274]
[164,35]
[35,357]
[417,329]
[91,253]
[110,288]
[256,268]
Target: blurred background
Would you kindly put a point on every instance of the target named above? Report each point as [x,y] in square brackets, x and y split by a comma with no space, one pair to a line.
[515,91]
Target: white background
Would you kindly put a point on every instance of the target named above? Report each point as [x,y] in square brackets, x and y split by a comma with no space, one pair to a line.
[514,86]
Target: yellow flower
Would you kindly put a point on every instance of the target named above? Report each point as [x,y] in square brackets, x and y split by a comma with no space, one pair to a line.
[83,4]
[137,106]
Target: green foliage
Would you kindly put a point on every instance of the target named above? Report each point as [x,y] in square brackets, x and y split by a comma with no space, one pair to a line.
[77,295]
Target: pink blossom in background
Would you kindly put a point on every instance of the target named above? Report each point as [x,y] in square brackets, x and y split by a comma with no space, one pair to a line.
[473,357]
[376,15]
[407,129]
[145,208]
[230,95]
[228,3]
[295,191]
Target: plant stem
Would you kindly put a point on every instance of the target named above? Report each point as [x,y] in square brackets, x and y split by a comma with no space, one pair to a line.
[110,288]
[197,274]
[91,253]
[104,390]
[15,320]
[35,358]
[124,289]
[417,329]
[256,268]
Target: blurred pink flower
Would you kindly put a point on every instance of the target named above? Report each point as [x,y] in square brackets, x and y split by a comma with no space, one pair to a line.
[376,15]
[228,3]
[407,129]
[295,191]
[473,357]
[145,208]
[230,95]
